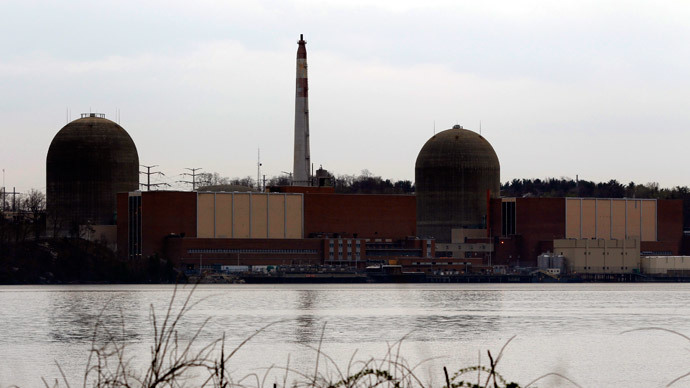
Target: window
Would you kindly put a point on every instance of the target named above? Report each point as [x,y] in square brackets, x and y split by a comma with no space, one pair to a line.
[134,219]
[507,218]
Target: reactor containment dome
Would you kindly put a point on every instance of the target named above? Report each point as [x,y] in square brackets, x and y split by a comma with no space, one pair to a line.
[455,173]
[89,161]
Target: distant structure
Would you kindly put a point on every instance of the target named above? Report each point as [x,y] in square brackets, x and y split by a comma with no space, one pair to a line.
[456,172]
[302,159]
[89,161]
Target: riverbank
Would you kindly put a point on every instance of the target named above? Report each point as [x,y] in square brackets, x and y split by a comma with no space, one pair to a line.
[67,260]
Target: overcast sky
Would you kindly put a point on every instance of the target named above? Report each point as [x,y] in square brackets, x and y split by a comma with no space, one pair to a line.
[599,89]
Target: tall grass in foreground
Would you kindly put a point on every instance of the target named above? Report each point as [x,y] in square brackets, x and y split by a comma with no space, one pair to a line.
[177,363]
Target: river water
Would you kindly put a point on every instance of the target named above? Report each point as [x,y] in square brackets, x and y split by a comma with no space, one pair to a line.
[575,330]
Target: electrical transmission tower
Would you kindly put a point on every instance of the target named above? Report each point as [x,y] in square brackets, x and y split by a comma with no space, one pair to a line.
[148,174]
[193,174]
[14,193]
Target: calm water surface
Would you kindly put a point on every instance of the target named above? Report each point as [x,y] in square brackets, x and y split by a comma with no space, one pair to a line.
[574,330]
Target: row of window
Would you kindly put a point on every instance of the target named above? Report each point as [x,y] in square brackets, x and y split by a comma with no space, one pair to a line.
[349,258]
[436,263]
[603,253]
[301,251]
[349,249]
[340,243]
[605,267]
[656,253]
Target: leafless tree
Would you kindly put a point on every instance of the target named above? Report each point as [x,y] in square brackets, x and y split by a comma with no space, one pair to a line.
[33,206]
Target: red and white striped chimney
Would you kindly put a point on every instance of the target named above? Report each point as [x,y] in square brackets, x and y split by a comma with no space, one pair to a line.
[302,161]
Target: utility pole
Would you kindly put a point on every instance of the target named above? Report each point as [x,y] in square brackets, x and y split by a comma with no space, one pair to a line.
[148,174]
[3,190]
[193,174]
[258,170]
[14,197]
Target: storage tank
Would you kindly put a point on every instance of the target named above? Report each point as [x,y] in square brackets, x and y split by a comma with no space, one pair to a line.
[454,171]
[89,161]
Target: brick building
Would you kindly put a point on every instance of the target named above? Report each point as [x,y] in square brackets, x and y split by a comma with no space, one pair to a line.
[305,226]
[523,228]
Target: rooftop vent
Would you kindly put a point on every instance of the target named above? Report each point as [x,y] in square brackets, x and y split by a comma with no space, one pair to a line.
[99,115]
[456,126]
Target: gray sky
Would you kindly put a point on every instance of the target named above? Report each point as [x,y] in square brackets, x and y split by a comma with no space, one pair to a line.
[595,88]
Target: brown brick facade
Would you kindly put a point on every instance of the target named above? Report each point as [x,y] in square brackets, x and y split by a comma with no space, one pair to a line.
[360,215]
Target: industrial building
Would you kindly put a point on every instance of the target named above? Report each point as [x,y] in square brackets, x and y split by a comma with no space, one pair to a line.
[456,222]
[599,256]
[273,228]
[523,228]
[456,173]
[89,161]
[665,265]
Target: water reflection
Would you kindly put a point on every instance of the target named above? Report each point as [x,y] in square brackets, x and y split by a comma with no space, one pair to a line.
[307,327]
[77,316]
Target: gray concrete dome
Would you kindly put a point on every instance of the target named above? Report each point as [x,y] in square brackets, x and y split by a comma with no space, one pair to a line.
[453,172]
[89,161]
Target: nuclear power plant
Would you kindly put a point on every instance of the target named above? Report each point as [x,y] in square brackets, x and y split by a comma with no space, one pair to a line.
[455,224]
[456,174]
[89,161]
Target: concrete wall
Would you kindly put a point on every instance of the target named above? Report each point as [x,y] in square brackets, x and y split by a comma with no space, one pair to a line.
[250,215]
[599,256]
[665,265]
[465,250]
[460,235]
[611,218]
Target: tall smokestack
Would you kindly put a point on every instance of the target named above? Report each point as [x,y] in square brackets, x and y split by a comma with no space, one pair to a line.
[302,162]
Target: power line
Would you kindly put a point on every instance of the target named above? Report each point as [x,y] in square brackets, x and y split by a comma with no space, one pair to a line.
[148,174]
[193,174]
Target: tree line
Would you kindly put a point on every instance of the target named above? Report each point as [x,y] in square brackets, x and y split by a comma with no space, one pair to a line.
[565,187]
[364,183]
